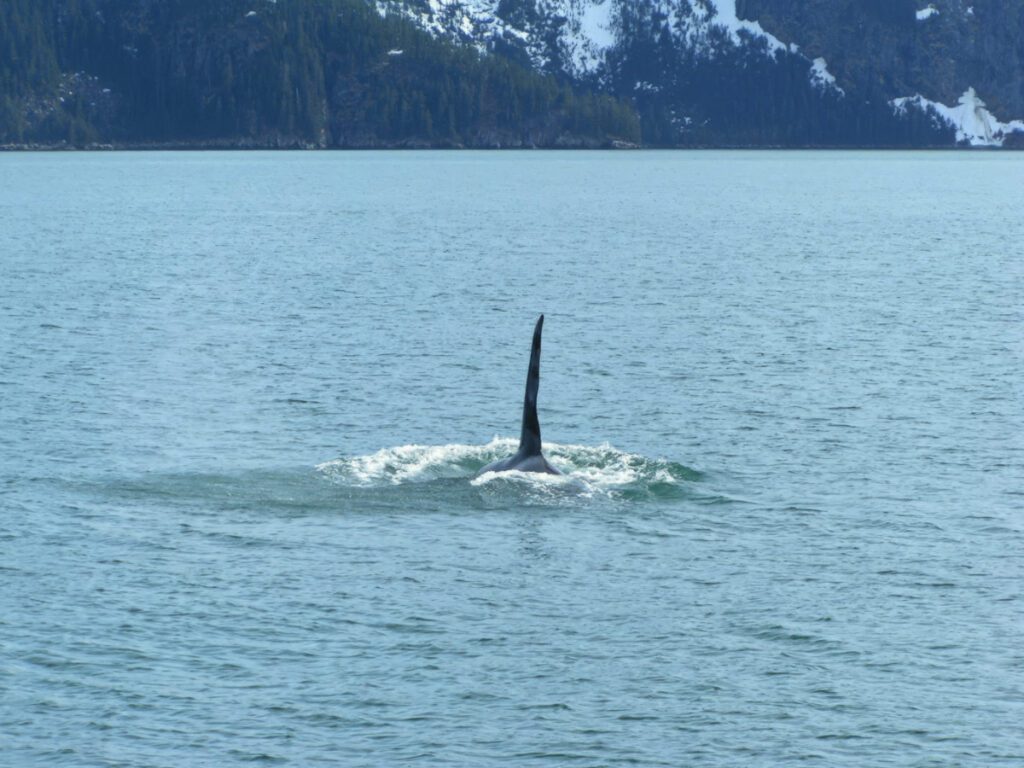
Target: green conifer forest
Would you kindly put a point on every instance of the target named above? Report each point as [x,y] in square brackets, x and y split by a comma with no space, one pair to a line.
[259,73]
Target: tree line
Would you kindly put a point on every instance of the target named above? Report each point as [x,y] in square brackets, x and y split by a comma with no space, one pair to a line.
[322,73]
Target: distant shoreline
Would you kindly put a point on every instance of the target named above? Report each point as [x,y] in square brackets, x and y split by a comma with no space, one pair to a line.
[230,146]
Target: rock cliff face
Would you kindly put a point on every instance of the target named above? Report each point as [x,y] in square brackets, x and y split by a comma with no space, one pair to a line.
[870,72]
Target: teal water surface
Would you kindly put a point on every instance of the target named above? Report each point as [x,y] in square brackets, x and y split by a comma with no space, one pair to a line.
[243,397]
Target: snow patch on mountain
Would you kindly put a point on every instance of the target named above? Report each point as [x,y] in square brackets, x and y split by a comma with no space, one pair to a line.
[974,124]
[822,78]
[472,22]
[727,18]
[589,34]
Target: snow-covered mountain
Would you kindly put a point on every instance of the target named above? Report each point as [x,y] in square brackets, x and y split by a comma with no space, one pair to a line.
[769,71]
[575,36]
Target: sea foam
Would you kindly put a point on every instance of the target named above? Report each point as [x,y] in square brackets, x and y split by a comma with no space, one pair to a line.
[586,468]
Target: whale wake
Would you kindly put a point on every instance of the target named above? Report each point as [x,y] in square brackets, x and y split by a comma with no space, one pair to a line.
[588,469]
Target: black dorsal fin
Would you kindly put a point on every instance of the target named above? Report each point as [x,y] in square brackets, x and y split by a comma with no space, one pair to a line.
[529,440]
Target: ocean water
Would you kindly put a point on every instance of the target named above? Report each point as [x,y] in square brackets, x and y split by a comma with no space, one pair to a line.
[243,397]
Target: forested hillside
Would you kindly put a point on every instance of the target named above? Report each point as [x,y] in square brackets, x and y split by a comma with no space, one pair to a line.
[511,73]
[718,91]
[938,48]
[874,73]
[303,73]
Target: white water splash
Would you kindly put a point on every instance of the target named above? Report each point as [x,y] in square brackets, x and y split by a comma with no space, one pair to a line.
[586,468]
[411,463]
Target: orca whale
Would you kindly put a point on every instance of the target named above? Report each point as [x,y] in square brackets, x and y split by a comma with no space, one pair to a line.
[529,457]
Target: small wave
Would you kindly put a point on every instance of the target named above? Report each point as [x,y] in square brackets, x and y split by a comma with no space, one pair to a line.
[408,464]
[587,468]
